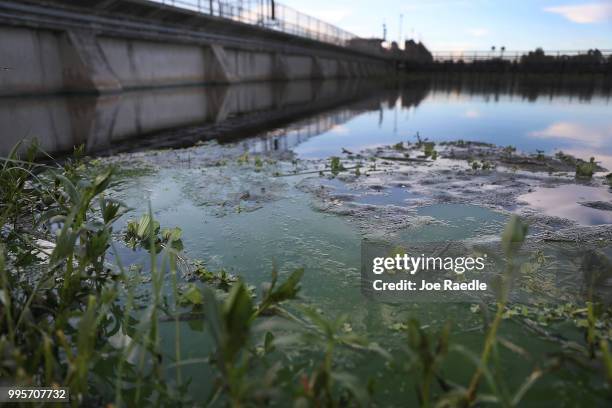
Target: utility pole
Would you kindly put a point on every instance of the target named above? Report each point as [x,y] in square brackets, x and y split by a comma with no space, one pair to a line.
[401,22]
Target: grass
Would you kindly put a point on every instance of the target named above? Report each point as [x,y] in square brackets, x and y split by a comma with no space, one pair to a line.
[73,314]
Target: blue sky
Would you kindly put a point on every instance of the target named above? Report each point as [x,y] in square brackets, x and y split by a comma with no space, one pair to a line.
[455,25]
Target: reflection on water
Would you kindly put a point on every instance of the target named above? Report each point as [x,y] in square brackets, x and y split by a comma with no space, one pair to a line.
[573,201]
[556,119]
[318,119]
[395,195]
[170,117]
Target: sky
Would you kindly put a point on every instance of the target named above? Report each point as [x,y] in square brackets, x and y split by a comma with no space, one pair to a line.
[460,25]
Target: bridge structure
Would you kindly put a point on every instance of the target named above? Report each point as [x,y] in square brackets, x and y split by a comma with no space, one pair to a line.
[104,46]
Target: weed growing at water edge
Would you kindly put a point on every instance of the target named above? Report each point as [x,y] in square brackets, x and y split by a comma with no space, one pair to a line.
[586,169]
[335,165]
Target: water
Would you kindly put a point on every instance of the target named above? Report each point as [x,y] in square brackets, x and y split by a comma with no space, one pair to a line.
[291,233]
[376,195]
[545,121]
[317,120]
[577,202]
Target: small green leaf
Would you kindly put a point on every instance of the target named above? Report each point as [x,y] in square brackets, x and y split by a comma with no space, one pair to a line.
[514,235]
[191,296]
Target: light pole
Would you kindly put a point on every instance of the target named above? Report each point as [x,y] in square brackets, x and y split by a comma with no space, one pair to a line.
[401,22]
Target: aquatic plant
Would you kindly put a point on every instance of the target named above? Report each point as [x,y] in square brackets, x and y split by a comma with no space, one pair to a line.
[426,355]
[429,150]
[483,164]
[139,234]
[566,158]
[419,140]
[336,165]
[509,150]
[586,169]
[243,158]
[191,295]
[399,146]
[512,239]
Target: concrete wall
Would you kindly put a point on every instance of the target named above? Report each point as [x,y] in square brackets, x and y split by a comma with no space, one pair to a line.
[30,61]
[145,63]
[250,66]
[36,61]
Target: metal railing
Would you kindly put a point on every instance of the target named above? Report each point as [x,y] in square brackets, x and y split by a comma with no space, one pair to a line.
[472,56]
[268,14]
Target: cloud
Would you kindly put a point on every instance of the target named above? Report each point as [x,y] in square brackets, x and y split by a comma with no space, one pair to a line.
[340,130]
[329,15]
[478,32]
[586,135]
[457,47]
[585,141]
[415,5]
[584,13]
[472,114]
[605,160]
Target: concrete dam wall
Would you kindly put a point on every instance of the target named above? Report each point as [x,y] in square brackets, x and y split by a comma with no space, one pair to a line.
[56,47]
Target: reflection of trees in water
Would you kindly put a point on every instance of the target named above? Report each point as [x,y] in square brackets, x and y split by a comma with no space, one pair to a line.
[181,116]
[366,96]
[414,93]
[530,87]
[372,96]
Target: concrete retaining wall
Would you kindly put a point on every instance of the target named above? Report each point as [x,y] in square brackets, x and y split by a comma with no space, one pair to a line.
[30,61]
[138,64]
[36,61]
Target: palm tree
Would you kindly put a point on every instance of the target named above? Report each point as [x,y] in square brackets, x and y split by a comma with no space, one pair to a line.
[503,48]
[492,49]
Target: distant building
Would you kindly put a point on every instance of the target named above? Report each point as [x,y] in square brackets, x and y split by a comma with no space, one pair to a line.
[367,44]
[413,51]
[417,51]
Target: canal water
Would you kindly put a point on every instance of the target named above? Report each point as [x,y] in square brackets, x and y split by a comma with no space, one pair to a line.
[318,119]
[303,121]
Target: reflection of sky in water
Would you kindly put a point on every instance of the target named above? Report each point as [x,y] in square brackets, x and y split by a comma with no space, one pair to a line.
[563,201]
[579,127]
[395,195]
